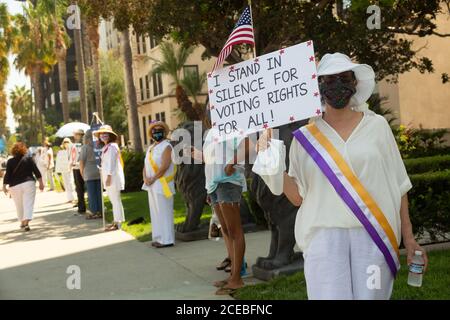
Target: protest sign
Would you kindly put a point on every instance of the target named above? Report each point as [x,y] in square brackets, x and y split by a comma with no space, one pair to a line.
[268,91]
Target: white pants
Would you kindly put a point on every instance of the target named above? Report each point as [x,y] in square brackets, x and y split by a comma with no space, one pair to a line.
[23,195]
[114,196]
[43,171]
[68,184]
[50,179]
[161,214]
[346,264]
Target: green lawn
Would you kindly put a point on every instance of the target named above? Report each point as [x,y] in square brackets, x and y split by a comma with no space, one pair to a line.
[436,284]
[136,205]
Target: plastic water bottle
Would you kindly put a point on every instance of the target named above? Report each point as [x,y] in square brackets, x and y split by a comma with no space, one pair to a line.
[416,270]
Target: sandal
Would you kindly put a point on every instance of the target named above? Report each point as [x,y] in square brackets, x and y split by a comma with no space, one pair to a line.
[112,227]
[220,284]
[225,263]
[27,228]
[91,216]
[227,268]
[226,291]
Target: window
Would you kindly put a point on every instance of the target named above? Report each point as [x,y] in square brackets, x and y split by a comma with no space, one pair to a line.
[144,44]
[149,118]
[141,87]
[144,128]
[138,44]
[157,84]
[160,116]
[147,86]
[154,42]
[190,70]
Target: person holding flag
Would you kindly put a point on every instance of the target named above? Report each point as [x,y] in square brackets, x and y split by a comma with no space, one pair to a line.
[158,175]
[225,180]
[112,173]
[348,178]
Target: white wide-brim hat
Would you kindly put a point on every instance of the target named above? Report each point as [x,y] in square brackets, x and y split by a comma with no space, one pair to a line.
[337,63]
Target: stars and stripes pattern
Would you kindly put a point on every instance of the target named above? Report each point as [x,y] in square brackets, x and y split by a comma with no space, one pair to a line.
[242,33]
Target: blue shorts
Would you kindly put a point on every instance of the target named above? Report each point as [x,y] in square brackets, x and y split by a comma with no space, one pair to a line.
[226,193]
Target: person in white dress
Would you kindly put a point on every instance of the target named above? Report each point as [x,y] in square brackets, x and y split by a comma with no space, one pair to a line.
[112,173]
[41,161]
[158,175]
[348,178]
[50,163]
[63,167]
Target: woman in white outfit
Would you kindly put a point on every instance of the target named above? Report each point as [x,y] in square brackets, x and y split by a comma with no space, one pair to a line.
[41,159]
[348,178]
[158,177]
[63,167]
[22,184]
[112,173]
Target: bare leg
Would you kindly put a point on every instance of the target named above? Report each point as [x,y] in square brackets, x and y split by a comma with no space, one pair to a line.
[232,217]
[225,232]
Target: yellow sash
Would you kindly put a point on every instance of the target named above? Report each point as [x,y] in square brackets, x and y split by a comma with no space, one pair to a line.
[164,180]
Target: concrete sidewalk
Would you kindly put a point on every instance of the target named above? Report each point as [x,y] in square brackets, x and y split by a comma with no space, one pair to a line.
[113,265]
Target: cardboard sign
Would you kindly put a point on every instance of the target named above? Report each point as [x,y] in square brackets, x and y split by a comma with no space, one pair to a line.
[269,91]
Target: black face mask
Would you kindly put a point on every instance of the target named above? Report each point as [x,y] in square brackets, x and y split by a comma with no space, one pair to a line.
[157,135]
[337,93]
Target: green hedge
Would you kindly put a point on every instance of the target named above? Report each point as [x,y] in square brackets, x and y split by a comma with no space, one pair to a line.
[427,164]
[429,203]
[133,166]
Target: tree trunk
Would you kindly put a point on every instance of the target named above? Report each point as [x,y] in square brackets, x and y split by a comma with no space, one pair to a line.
[94,38]
[62,72]
[81,78]
[185,104]
[38,99]
[133,126]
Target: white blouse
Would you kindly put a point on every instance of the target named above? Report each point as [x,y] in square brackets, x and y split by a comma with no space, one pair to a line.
[111,166]
[372,153]
[158,150]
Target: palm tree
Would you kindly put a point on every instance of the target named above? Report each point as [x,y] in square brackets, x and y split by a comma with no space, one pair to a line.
[34,49]
[6,38]
[133,127]
[21,103]
[172,63]
[193,84]
[94,37]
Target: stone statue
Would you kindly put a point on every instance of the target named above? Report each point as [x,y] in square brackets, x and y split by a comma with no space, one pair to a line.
[279,213]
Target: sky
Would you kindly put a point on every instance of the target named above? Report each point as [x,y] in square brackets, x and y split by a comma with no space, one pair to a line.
[15,77]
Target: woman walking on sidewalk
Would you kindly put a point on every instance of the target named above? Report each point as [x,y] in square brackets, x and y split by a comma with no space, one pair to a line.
[112,173]
[22,184]
[158,175]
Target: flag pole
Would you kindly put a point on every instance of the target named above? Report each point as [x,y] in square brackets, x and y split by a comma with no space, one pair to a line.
[253,25]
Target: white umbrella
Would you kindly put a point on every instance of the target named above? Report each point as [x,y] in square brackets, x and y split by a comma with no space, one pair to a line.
[68,129]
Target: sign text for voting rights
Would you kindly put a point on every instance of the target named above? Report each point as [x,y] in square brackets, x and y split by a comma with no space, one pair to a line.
[268,91]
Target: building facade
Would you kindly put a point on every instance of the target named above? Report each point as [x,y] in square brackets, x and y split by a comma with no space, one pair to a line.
[155,92]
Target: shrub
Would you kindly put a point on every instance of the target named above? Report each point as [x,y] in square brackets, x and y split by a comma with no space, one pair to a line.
[429,204]
[427,164]
[133,166]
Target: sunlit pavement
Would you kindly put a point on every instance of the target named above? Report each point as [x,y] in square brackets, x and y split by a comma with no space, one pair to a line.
[113,265]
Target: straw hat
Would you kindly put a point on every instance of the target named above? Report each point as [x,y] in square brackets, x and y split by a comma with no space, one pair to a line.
[66,140]
[156,123]
[105,129]
[337,63]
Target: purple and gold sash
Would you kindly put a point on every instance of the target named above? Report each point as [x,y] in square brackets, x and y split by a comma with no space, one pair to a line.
[352,192]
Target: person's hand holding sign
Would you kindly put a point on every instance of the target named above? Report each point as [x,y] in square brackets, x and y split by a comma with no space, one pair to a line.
[264,140]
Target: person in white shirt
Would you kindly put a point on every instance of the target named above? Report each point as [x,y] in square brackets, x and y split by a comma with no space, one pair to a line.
[41,160]
[158,175]
[63,167]
[49,163]
[348,178]
[112,173]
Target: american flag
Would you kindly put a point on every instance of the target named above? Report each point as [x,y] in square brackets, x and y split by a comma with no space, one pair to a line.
[242,33]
